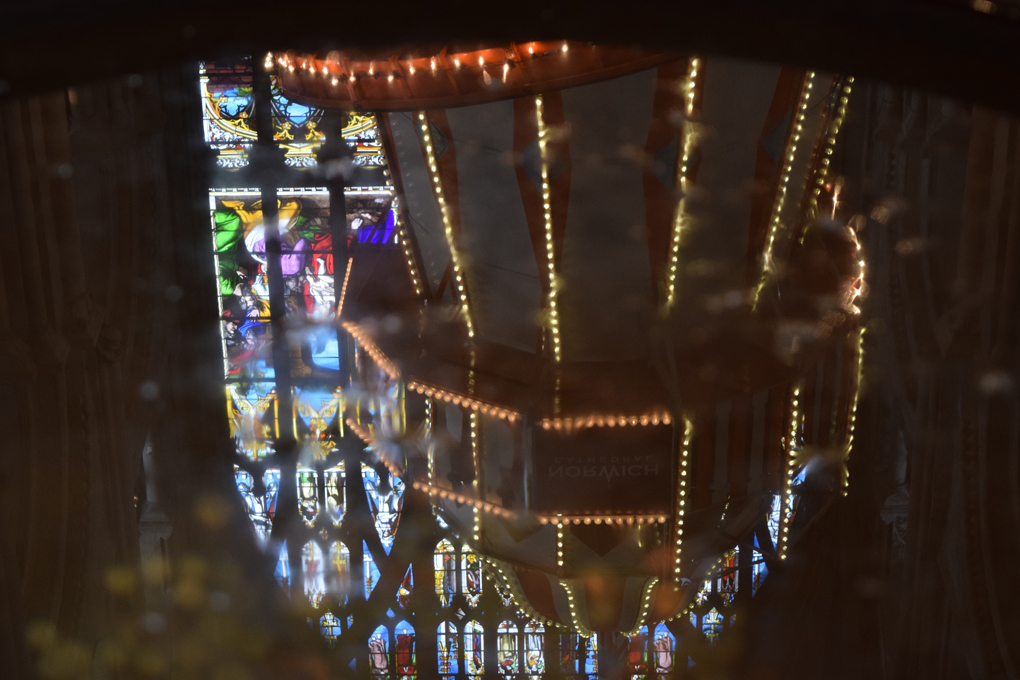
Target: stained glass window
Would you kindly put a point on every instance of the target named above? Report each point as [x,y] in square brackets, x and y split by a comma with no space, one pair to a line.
[446,649]
[534,649]
[378,653]
[445,565]
[228,110]
[251,408]
[663,647]
[637,654]
[338,572]
[474,658]
[506,648]
[405,659]
[385,503]
[314,576]
[471,575]
[335,493]
[260,505]
[726,584]
[371,571]
[282,572]
[712,625]
[329,626]
[406,588]
[308,495]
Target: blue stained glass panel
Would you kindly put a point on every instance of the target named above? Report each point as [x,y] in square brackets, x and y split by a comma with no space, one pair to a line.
[446,649]
[371,571]
[385,504]
[329,627]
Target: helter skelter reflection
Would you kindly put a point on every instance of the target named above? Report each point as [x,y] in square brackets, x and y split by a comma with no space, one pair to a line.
[612,423]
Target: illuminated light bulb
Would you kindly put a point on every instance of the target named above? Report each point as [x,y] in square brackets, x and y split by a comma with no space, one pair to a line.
[351,78]
[389,78]
[456,62]
[565,47]
[335,81]
[481,61]
[531,49]
[411,69]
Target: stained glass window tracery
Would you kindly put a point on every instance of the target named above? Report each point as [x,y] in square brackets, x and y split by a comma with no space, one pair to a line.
[384,503]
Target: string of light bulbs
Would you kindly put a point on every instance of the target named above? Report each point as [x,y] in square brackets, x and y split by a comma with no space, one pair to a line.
[444,209]
[550,251]
[689,86]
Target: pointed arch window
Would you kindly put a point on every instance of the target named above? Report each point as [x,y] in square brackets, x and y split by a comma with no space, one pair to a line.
[385,501]
[378,653]
[474,651]
[446,650]
[637,654]
[506,649]
[471,576]
[445,565]
[534,649]
[313,572]
[405,661]
[663,651]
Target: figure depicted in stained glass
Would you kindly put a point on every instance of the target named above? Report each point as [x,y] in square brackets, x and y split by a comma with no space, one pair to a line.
[308,495]
[307,266]
[378,653]
[474,659]
[385,502]
[506,648]
[637,652]
[250,408]
[445,565]
[314,577]
[404,635]
[335,493]
[446,649]
[471,576]
[534,649]
[662,650]
[727,582]
[405,589]
[319,412]
[338,582]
